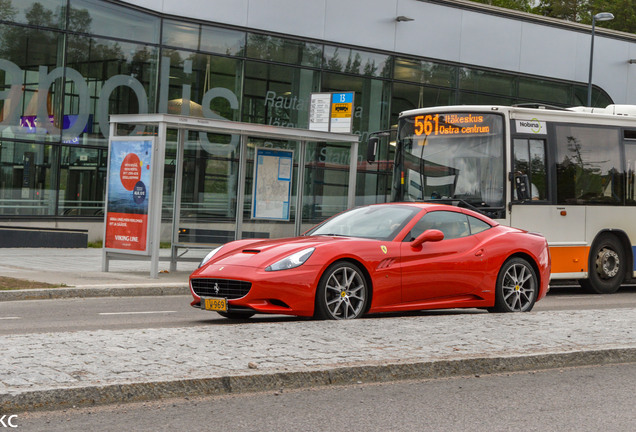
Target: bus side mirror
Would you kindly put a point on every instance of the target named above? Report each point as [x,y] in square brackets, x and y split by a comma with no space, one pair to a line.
[372,148]
[522,186]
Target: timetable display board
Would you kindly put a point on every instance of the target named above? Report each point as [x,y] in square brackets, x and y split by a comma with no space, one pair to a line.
[331,112]
[271,196]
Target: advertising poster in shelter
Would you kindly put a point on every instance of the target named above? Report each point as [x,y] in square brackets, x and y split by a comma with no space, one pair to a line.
[272,183]
[127,201]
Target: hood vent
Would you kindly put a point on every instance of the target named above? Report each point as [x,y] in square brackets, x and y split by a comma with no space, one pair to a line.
[251,251]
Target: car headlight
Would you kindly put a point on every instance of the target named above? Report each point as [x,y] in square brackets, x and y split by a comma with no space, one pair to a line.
[292,261]
[209,256]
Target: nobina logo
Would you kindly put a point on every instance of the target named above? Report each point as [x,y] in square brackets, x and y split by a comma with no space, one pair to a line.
[7,421]
[534,125]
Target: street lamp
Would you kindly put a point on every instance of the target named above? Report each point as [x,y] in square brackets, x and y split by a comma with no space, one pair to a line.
[602,16]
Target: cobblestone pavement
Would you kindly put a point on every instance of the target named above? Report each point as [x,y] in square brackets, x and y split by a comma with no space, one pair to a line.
[90,358]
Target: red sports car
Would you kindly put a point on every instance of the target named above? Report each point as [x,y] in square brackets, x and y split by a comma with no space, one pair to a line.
[378,258]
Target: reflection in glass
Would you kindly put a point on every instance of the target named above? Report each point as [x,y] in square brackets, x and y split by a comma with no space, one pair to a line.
[42,13]
[82,181]
[104,78]
[326,181]
[27,186]
[278,95]
[425,72]
[588,165]
[340,59]
[203,38]
[263,228]
[98,18]
[31,107]
[265,47]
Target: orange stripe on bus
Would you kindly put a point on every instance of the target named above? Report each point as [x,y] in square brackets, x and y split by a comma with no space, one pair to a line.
[569,259]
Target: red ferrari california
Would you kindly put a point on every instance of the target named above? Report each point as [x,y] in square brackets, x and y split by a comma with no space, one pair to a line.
[378,258]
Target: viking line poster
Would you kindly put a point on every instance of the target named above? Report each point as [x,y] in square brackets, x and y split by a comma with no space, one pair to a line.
[129,182]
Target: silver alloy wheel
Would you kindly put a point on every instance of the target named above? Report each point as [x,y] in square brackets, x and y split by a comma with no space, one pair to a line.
[519,287]
[345,293]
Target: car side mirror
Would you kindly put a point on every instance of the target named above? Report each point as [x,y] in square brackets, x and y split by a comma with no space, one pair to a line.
[372,148]
[431,235]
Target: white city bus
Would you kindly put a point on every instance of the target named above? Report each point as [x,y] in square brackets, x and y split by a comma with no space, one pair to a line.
[566,173]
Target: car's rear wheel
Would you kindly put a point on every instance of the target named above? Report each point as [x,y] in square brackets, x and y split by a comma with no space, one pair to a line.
[237,315]
[517,287]
[342,292]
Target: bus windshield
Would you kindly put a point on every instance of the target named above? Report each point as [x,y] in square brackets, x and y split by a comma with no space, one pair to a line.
[450,156]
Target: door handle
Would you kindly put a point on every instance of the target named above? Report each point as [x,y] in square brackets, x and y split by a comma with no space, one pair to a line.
[479,253]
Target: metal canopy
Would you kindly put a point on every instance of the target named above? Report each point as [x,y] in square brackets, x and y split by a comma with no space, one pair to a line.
[183,124]
[236,128]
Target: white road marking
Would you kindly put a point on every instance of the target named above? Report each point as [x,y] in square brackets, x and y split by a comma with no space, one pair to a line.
[10,318]
[136,313]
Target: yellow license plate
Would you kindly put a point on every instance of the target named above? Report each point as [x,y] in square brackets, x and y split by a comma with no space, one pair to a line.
[215,304]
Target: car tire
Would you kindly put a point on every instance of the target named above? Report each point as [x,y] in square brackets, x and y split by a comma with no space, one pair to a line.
[517,287]
[606,266]
[342,292]
[237,315]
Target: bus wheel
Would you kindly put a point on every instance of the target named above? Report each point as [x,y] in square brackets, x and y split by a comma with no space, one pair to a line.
[606,267]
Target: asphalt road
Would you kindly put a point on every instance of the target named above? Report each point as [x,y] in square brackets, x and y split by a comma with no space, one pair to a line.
[40,316]
[576,399]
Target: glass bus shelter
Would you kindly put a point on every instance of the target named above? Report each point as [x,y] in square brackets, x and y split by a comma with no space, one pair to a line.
[215,181]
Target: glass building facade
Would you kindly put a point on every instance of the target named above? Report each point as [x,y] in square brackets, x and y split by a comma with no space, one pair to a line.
[66,65]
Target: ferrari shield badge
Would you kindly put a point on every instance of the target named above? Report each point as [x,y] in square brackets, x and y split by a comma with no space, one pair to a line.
[383,248]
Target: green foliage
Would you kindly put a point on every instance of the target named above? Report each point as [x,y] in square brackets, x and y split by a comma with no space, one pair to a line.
[580,11]
[520,5]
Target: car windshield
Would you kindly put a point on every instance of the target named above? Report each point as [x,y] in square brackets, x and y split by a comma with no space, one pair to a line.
[374,222]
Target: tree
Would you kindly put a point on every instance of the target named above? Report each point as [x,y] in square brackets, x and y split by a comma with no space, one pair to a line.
[520,5]
[624,14]
[569,10]
[580,11]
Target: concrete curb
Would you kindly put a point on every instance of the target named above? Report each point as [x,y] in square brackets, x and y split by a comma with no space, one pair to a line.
[95,291]
[138,392]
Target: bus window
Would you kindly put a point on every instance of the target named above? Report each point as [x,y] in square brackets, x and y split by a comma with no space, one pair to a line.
[588,165]
[529,160]
[630,162]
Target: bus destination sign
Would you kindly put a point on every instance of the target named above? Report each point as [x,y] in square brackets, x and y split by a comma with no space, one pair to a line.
[451,124]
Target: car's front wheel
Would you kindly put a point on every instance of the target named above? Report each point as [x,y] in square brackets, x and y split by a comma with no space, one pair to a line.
[342,292]
[517,287]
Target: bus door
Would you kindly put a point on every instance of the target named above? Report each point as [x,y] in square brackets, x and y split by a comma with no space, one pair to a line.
[532,208]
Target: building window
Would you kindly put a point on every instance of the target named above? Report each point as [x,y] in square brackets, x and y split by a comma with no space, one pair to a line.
[340,59]
[280,50]
[27,186]
[110,20]
[203,38]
